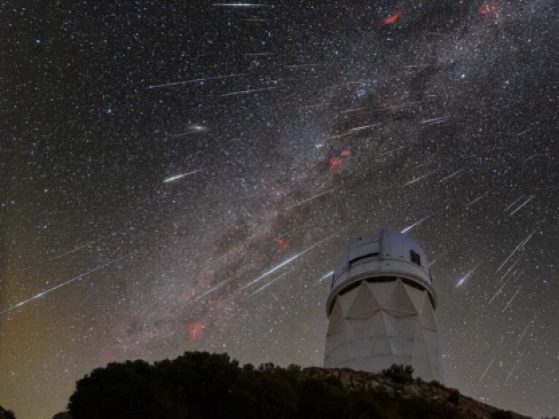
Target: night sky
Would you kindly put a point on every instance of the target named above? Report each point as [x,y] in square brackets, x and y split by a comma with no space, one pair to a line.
[182,175]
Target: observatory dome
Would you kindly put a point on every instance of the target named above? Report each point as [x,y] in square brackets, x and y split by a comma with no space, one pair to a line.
[381,307]
[390,253]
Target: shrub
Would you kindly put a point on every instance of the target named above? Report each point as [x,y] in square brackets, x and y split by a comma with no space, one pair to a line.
[210,386]
[502,414]
[7,414]
[454,397]
[399,373]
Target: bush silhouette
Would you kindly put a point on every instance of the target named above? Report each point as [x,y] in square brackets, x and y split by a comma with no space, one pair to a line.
[399,374]
[502,414]
[454,397]
[6,414]
[200,385]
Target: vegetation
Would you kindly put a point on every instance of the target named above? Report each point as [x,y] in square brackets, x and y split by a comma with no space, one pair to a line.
[202,385]
[502,414]
[399,374]
[6,414]
[454,396]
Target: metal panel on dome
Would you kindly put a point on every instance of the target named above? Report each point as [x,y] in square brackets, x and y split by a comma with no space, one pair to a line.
[388,254]
[381,307]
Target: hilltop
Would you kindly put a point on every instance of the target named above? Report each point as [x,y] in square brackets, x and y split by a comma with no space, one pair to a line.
[203,385]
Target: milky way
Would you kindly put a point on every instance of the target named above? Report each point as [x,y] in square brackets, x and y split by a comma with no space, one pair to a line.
[183,175]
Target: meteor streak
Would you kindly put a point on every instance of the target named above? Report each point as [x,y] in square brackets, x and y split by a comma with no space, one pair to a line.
[248,91]
[258,54]
[75,249]
[179,83]
[62,284]
[326,276]
[520,245]
[287,262]
[512,298]
[410,227]
[500,290]
[523,204]
[242,5]
[274,269]
[363,127]
[180,176]
[509,270]
[513,369]
[479,198]
[444,179]
[524,332]
[486,370]
[268,284]
[437,259]
[311,198]
[193,129]
[512,204]
[351,110]
[389,152]
[212,289]
[465,277]
[417,179]
[438,120]
[302,65]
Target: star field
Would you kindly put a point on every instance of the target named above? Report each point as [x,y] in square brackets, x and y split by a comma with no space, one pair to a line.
[183,175]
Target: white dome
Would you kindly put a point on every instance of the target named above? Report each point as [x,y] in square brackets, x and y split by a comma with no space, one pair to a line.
[388,254]
[381,308]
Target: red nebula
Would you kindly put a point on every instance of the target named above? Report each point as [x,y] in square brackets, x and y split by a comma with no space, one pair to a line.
[282,245]
[393,18]
[335,163]
[487,9]
[345,152]
[195,330]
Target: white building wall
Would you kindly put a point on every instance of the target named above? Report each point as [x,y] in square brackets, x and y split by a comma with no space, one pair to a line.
[376,325]
[377,319]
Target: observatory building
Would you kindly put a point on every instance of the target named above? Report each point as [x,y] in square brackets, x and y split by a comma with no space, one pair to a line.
[381,308]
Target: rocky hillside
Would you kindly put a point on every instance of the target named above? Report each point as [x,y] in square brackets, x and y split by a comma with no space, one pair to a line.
[202,385]
[403,388]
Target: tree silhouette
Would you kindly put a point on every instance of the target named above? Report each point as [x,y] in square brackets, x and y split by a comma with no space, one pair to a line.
[200,385]
[399,373]
[6,414]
